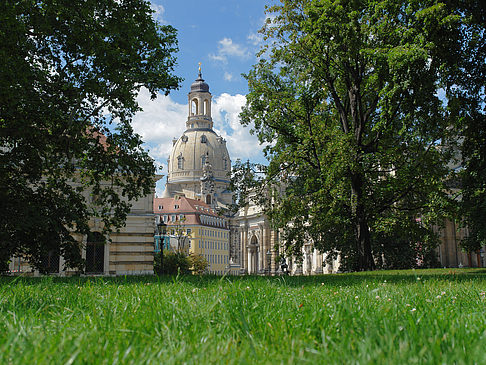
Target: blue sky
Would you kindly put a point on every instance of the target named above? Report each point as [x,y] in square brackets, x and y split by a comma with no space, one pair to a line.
[223,36]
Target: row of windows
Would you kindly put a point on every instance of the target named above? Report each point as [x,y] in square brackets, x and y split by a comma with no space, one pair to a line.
[202,232]
[180,161]
[212,220]
[202,109]
[176,206]
[213,245]
[187,232]
[216,259]
[211,233]
[173,218]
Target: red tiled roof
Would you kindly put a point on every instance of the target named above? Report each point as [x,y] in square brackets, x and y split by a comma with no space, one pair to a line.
[191,208]
[186,205]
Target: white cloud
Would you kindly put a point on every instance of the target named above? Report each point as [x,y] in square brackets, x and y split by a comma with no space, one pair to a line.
[160,121]
[218,58]
[225,111]
[228,76]
[226,48]
[159,11]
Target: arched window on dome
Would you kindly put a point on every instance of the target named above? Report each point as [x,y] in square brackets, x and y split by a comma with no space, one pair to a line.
[203,159]
[208,199]
[194,107]
[204,139]
[225,163]
[180,162]
[206,107]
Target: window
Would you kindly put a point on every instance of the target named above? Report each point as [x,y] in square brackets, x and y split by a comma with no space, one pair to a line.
[165,218]
[189,231]
[180,162]
[194,107]
[203,160]
[181,217]
[204,139]
[95,253]
[173,218]
[160,207]
[50,261]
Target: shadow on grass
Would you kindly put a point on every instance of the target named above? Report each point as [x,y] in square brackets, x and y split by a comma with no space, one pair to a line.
[347,279]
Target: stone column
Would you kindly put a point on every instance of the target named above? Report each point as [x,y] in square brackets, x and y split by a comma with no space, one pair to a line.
[264,249]
[318,262]
[261,251]
[248,267]
[244,245]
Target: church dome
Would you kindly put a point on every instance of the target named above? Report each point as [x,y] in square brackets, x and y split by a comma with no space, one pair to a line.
[192,150]
[199,165]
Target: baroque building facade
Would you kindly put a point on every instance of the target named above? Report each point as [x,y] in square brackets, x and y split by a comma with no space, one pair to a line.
[198,226]
[128,251]
[261,252]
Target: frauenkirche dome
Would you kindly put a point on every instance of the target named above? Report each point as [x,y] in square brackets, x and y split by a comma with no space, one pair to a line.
[199,164]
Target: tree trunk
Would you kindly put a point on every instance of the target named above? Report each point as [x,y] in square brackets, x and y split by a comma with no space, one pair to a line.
[362,231]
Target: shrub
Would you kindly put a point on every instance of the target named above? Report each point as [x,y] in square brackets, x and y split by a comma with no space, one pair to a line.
[171,263]
[199,265]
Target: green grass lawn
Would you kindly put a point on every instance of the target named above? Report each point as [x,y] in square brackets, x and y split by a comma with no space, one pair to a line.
[383,317]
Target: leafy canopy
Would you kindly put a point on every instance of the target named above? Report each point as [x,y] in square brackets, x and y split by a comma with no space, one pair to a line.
[70,72]
[346,95]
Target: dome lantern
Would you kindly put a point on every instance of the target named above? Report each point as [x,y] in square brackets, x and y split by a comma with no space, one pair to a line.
[199,99]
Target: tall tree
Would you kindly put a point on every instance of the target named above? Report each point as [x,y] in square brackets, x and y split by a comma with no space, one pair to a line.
[347,95]
[70,72]
[469,106]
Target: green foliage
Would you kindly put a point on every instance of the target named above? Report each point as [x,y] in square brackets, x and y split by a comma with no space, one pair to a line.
[70,72]
[346,97]
[474,182]
[199,265]
[380,317]
[405,244]
[172,263]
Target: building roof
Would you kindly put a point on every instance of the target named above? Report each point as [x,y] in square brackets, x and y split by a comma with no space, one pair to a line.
[185,205]
[194,211]
[199,85]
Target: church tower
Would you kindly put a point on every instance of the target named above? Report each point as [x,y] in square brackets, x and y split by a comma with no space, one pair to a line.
[199,164]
